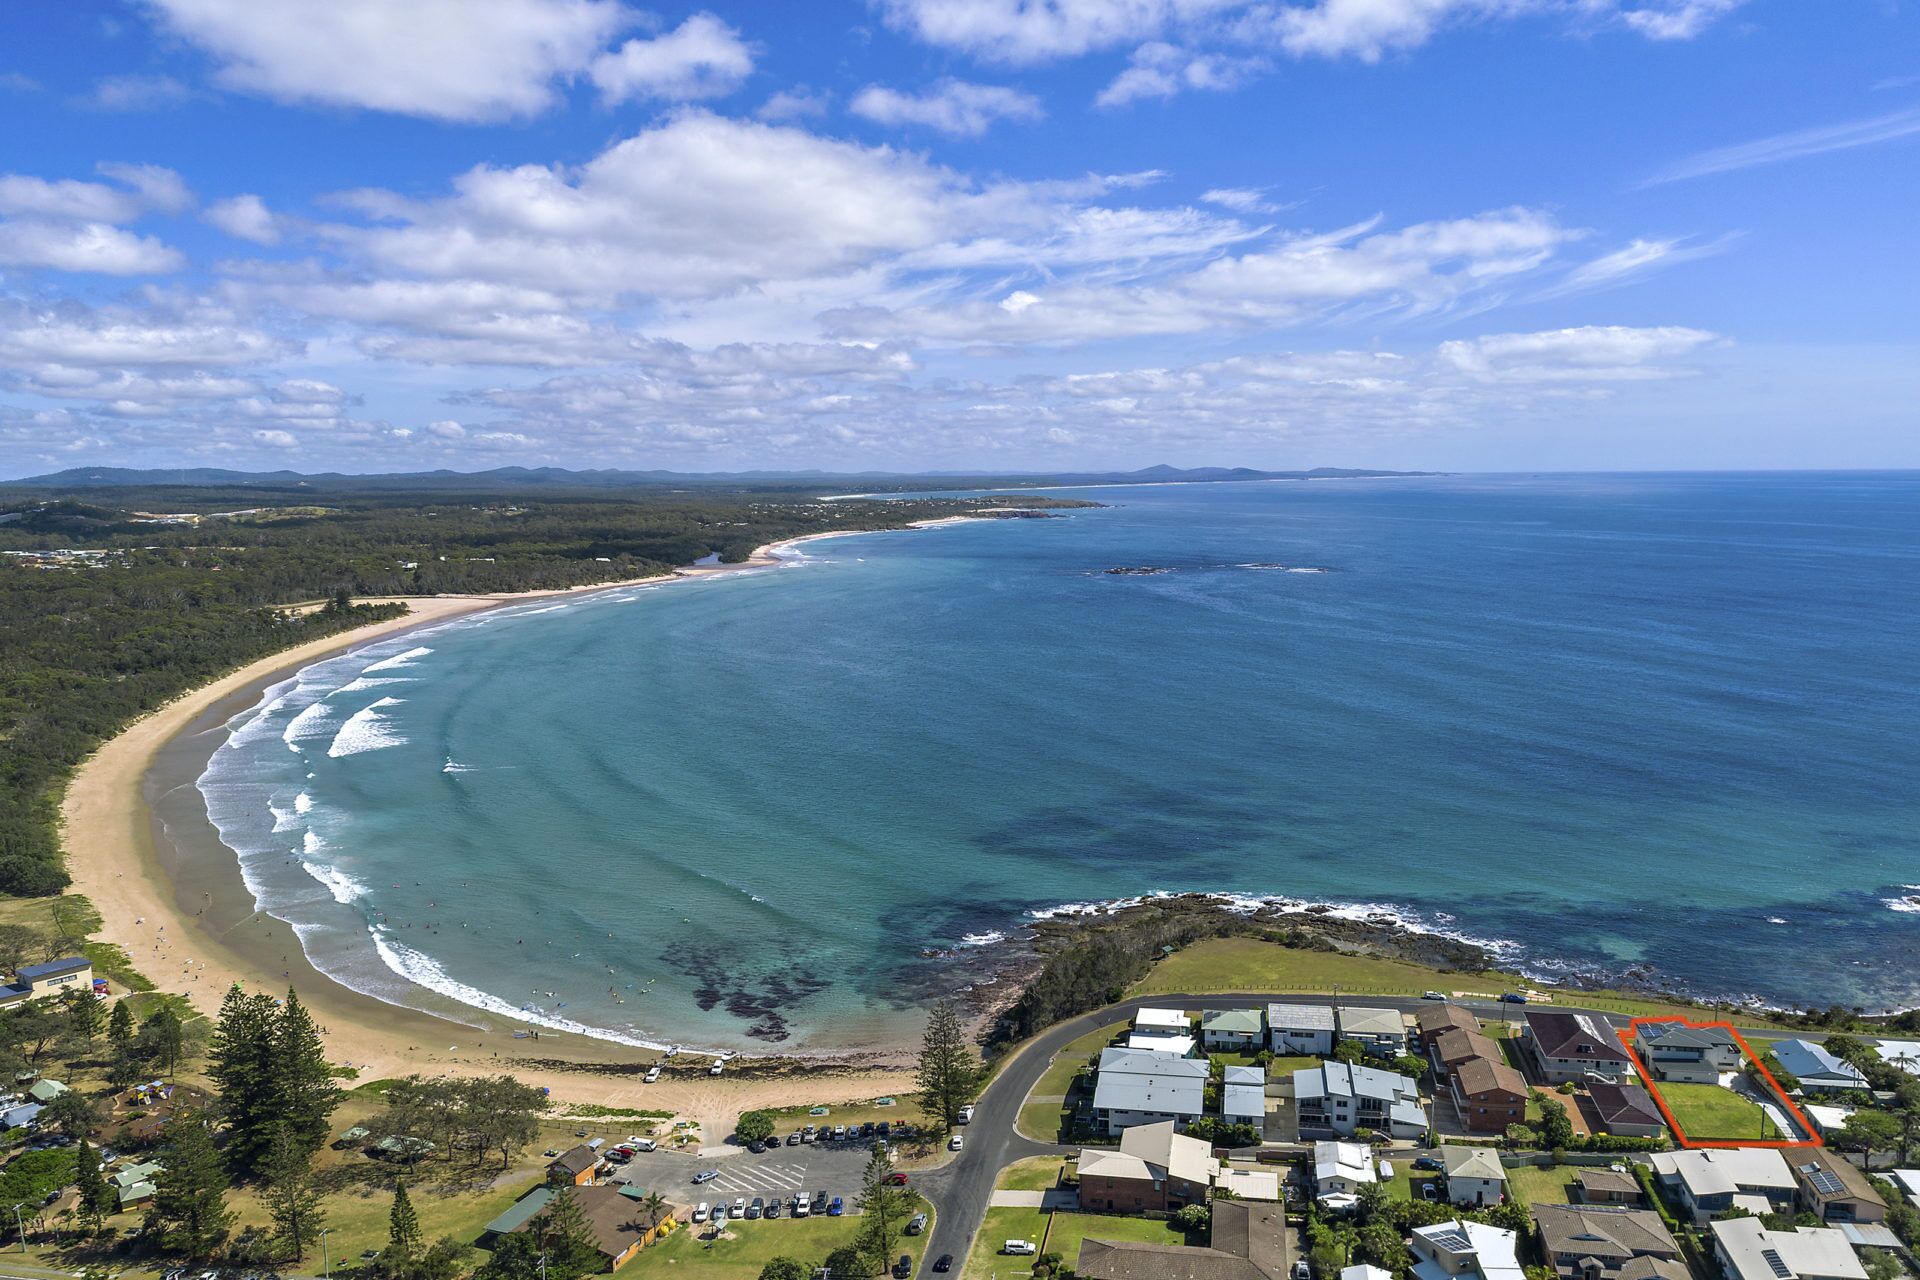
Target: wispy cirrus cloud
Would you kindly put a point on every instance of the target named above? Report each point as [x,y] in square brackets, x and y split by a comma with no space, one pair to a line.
[1797,144]
[953,107]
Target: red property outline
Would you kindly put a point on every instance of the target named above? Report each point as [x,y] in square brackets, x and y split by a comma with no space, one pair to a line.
[1680,1137]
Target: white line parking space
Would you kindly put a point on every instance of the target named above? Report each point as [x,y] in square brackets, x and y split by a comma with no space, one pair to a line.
[763,1179]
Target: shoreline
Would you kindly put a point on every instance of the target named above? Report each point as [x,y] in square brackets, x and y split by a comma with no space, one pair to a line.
[139,846]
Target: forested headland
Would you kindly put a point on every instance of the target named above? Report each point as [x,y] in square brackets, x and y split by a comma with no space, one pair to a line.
[114,601]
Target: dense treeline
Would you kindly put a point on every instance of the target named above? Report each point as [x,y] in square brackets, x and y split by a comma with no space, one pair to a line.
[87,644]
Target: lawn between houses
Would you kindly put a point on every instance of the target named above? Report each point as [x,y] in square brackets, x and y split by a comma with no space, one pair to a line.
[1707,1112]
[746,1247]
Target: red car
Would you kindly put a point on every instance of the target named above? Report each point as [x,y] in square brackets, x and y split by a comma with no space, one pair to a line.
[897,1180]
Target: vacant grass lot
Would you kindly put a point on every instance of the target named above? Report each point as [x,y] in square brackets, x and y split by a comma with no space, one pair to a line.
[1043,1115]
[1708,1111]
[1067,1230]
[1550,1184]
[753,1245]
[1037,1174]
[986,1262]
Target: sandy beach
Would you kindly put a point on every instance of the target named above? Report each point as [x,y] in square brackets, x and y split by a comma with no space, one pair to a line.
[140,848]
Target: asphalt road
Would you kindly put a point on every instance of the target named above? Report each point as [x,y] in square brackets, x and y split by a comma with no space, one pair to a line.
[961,1190]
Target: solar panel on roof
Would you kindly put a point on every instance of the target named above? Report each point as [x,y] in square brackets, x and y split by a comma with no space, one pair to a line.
[1824,1181]
[1779,1265]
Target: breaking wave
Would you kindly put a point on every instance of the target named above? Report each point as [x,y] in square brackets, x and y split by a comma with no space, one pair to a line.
[366,730]
[398,660]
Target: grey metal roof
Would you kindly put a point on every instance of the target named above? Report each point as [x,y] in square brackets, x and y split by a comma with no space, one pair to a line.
[1300,1017]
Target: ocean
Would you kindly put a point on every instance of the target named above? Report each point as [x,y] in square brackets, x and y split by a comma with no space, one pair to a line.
[1607,723]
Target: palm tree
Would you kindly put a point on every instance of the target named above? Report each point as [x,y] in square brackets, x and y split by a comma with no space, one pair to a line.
[657,1209]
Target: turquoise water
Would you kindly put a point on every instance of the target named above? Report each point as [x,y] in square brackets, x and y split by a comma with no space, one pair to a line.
[1606,721]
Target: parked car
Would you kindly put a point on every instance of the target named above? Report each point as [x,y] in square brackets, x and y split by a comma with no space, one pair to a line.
[903,1268]
[835,1209]
[955,1142]
[1433,995]
[758,1148]
[1430,1191]
[943,1263]
[896,1179]
[1020,1248]
[1302,1270]
[839,1132]
[793,1139]
[641,1144]
[700,1212]
[705,1175]
[1512,997]
[619,1155]
[1430,1163]
[965,1116]
[773,1208]
[801,1205]
[916,1224]
[716,1068]
[753,1210]
[739,1208]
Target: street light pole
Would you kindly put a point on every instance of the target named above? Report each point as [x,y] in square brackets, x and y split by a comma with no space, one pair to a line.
[21,1226]
[324,1266]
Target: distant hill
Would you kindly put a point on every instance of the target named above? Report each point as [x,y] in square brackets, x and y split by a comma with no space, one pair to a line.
[524,479]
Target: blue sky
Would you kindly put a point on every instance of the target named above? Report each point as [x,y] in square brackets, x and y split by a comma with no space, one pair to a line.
[956,234]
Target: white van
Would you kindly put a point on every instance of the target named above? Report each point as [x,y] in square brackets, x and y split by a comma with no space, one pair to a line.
[1020,1248]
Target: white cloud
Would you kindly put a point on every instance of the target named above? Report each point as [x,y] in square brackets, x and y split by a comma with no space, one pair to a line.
[701,58]
[149,188]
[1678,19]
[463,60]
[446,429]
[1039,30]
[1245,200]
[1159,70]
[277,439]
[799,103]
[952,106]
[1796,145]
[136,93]
[1593,353]
[85,247]
[127,338]
[245,217]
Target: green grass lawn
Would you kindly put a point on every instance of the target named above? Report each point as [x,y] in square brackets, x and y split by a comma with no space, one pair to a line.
[1281,1067]
[1708,1111]
[754,1244]
[1037,1174]
[1540,1185]
[1248,964]
[985,1260]
[1043,1114]
[1067,1230]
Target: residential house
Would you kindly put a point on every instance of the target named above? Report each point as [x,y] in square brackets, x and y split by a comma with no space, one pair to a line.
[1435,1020]
[616,1217]
[1607,1186]
[1450,1249]
[1134,1087]
[1383,1031]
[1574,1046]
[1173,1045]
[1300,1029]
[45,1091]
[1908,1180]
[1832,1189]
[1342,1168]
[1816,1069]
[1827,1118]
[1746,1250]
[1233,1030]
[134,1183]
[1156,1169]
[20,1116]
[1365,1271]
[574,1166]
[1904,1054]
[1682,1054]
[1340,1099]
[1595,1242]
[1475,1176]
[1488,1094]
[1247,1184]
[1248,1241]
[1451,1048]
[1756,1179]
[1243,1096]
[1163,1022]
[1624,1109]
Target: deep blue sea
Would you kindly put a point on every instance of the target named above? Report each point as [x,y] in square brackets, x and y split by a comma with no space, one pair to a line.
[1604,720]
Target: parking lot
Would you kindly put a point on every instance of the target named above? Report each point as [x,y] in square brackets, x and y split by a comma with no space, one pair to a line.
[835,1168]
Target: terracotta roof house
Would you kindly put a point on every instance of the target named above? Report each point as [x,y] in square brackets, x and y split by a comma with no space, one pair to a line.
[1593,1242]
[1489,1095]
[1604,1186]
[1676,1052]
[1573,1046]
[1624,1109]
[1833,1189]
[1451,1048]
[1434,1019]
[1248,1242]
